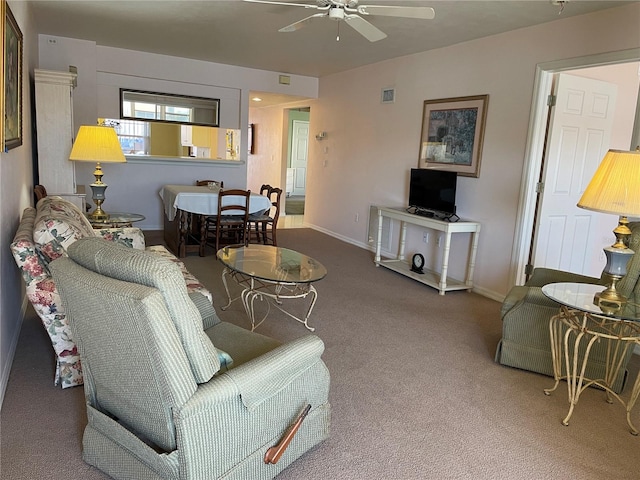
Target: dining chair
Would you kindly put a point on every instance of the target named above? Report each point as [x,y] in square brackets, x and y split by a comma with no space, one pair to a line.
[232,220]
[265,188]
[265,223]
[200,221]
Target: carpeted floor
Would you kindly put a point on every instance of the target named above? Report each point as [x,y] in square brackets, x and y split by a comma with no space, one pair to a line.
[294,205]
[415,392]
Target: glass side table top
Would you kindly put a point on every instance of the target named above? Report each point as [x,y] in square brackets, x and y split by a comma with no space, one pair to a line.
[273,264]
[581,296]
[118,218]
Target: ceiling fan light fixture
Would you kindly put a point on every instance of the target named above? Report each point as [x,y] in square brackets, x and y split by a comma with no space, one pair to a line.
[336,13]
[351,12]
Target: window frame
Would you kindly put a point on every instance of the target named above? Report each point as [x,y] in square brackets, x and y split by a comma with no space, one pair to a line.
[164,100]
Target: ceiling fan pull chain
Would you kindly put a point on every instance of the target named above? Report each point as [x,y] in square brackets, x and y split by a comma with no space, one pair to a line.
[338,37]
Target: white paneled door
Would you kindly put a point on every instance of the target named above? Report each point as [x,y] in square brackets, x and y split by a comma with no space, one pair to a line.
[567,237]
[299,151]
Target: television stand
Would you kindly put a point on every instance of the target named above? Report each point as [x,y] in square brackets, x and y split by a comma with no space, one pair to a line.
[440,280]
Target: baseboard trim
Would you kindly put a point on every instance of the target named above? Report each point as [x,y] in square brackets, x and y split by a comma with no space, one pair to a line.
[4,379]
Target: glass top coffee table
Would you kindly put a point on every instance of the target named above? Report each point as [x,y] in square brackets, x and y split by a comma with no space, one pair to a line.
[270,274]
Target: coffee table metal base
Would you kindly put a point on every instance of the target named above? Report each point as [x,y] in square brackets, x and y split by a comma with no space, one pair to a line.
[271,292]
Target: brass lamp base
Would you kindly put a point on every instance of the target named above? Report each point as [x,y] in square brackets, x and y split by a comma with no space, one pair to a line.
[98,215]
[97,189]
[610,300]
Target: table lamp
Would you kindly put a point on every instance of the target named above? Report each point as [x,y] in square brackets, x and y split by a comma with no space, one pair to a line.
[615,188]
[97,144]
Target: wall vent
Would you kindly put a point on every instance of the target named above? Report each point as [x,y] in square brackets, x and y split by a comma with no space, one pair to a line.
[388,95]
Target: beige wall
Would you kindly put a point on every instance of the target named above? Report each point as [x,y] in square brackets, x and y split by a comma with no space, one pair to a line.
[371,147]
[265,165]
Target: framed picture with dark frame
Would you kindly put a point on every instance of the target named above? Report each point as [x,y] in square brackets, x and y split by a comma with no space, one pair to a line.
[252,138]
[12,59]
[453,133]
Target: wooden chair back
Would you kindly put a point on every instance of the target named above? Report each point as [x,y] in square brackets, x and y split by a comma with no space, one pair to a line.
[40,192]
[233,226]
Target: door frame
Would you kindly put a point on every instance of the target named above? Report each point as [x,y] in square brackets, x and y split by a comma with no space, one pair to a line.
[535,146]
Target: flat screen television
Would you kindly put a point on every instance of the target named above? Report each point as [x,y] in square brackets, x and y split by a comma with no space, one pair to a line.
[433,192]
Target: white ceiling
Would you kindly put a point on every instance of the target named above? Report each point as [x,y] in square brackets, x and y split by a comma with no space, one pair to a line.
[246,34]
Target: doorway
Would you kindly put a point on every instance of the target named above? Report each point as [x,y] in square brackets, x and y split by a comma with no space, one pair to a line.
[297,157]
[580,128]
[535,149]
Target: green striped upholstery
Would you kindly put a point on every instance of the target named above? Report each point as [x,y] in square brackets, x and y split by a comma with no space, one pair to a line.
[148,417]
[630,281]
[113,260]
[526,311]
[132,385]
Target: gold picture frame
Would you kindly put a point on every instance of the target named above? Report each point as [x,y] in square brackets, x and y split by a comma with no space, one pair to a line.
[12,88]
[453,134]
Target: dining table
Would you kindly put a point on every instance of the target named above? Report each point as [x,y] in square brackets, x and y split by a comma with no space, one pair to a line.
[185,205]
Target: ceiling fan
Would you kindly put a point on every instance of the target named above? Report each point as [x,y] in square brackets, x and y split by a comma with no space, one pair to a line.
[350,12]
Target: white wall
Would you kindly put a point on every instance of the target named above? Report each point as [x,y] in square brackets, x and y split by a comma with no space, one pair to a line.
[15,195]
[265,165]
[134,187]
[372,146]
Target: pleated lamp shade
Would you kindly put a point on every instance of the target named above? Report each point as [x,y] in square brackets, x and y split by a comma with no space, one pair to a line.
[97,144]
[615,187]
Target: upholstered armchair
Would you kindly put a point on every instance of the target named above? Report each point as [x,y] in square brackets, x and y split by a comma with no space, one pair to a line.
[171,391]
[526,311]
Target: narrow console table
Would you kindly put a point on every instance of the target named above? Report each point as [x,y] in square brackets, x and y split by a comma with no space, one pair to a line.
[438,280]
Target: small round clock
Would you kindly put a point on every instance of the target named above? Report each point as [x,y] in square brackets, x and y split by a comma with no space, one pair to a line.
[417,263]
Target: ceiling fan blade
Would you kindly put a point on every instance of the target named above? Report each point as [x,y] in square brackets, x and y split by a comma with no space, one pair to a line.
[364,28]
[300,23]
[426,13]
[287,4]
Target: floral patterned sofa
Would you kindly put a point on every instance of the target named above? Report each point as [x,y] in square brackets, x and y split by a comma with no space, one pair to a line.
[44,234]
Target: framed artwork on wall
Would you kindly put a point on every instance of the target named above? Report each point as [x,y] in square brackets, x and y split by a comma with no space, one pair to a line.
[252,138]
[453,133]
[12,59]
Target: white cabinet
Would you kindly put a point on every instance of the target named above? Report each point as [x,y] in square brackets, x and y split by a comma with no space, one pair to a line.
[55,132]
[186,136]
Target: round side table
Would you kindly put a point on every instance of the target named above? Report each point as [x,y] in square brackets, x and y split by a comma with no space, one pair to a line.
[116,220]
[580,324]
